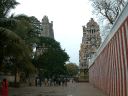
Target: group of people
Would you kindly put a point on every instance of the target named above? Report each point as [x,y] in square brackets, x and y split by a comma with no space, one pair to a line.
[51,82]
[56,82]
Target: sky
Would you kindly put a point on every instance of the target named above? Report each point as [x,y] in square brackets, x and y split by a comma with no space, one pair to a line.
[68,17]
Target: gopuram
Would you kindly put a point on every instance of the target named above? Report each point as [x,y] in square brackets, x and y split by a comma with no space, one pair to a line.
[91,41]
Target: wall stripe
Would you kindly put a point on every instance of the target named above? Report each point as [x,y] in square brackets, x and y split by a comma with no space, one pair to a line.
[109,71]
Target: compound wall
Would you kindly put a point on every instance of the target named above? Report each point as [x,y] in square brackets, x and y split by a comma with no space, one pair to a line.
[108,70]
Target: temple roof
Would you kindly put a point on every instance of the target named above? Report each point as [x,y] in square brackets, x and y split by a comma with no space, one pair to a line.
[45,19]
[92,23]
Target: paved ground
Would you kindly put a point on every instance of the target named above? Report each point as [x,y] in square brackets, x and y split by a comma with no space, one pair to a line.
[73,89]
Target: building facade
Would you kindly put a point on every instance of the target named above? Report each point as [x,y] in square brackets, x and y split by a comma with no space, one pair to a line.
[91,40]
[47,31]
[47,28]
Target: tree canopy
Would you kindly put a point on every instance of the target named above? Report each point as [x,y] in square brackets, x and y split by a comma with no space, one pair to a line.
[6,6]
[52,58]
[109,9]
[18,35]
[15,54]
[72,69]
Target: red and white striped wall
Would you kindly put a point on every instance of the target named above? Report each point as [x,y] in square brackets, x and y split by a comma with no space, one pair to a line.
[109,69]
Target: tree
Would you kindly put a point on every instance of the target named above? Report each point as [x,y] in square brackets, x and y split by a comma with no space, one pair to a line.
[36,24]
[11,52]
[51,58]
[8,26]
[23,28]
[35,31]
[14,53]
[109,9]
[121,3]
[6,6]
[72,69]
[107,12]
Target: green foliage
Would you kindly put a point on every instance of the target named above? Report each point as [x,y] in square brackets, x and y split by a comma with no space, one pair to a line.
[23,28]
[48,42]
[53,58]
[36,26]
[35,30]
[8,23]
[28,28]
[72,69]
[18,34]
[10,47]
[6,6]
[15,53]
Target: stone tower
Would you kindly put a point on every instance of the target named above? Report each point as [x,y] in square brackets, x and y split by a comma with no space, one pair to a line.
[91,40]
[47,31]
[47,28]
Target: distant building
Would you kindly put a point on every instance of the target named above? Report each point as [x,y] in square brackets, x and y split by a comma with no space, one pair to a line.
[47,31]
[47,28]
[91,40]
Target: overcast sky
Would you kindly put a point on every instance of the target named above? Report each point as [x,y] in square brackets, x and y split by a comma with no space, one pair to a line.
[68,17]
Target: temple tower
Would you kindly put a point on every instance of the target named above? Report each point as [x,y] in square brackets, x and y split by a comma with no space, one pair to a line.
[47,31]
[47,28]
[91,40]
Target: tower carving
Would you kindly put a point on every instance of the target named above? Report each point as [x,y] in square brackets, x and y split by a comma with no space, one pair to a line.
[91,40]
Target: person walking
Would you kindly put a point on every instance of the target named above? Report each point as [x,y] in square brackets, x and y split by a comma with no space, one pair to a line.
[46,82]
[4,87]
